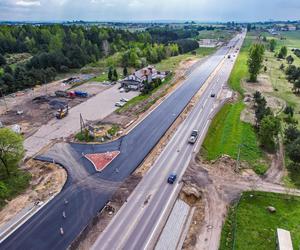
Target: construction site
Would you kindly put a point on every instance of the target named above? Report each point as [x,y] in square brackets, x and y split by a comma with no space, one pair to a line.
[28,110]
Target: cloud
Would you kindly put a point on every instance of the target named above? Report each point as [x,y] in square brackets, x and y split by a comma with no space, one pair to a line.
[134,10]
[28,3]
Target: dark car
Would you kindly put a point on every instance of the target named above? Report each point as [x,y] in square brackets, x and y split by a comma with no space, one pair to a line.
[172,178]
[213,95]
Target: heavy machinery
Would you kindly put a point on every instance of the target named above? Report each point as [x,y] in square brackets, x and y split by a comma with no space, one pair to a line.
[62,112]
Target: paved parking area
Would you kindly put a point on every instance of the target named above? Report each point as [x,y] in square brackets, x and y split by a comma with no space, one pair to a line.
[95,108]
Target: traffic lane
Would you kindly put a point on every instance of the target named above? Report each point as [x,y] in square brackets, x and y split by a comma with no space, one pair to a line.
[145,226]
[45,225]
[138,237]
[141,232]
[154,210]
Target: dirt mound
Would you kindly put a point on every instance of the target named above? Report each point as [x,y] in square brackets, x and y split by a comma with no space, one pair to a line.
[47,180]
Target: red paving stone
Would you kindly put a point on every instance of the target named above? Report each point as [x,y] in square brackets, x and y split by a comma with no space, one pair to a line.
[101,160]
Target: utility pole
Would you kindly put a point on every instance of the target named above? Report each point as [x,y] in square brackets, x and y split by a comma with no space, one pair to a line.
[82,125]
[238,159]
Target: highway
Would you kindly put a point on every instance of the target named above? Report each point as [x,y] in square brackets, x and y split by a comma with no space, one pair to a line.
[86,190]
[138,223]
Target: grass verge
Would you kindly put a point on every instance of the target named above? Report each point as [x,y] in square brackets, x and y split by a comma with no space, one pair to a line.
[227,132]
[250,226]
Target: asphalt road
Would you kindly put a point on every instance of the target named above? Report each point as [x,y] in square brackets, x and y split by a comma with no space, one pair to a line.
[87,191]
[137,225]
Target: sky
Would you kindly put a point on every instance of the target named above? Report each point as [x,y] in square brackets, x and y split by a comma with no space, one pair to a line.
[147,10]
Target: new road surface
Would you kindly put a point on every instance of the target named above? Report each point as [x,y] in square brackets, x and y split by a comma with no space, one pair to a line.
[139,222]
[87,191]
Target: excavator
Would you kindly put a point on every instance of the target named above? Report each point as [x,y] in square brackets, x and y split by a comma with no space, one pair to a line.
[62,112]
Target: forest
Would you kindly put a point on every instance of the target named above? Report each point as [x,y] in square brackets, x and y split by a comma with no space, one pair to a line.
[58,48]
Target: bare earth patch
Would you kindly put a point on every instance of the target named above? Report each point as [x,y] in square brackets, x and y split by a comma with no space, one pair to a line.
[47,180]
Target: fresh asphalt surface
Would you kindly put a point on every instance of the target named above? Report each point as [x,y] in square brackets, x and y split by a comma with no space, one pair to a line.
[87,191]
[135,226]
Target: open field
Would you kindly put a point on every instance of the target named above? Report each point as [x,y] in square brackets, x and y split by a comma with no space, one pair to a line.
[251,226]
[222,35]
[173,62]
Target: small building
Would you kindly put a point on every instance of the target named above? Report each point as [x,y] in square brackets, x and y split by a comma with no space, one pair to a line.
[284,241]
[292,27]
[136,80]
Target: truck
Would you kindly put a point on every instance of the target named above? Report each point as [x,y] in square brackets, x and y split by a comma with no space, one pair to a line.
[81,94]
[194,136]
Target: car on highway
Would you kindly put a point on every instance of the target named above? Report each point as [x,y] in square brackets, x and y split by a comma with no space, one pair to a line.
[172,178]
[119,104]
[194,136]
[124,100]
[213,95]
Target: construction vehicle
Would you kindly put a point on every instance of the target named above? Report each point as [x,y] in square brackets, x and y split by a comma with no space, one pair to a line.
[62,112]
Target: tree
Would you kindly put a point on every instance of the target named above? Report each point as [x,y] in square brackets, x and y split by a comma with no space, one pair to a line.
[290,59]
[110,73]
[125,71]
[255,61]
[11,150]
[283,52]
[269,129]
[293,150]
[115,75]
[289,110]
[249,27]
[2,60]
[291,134]
[272,45]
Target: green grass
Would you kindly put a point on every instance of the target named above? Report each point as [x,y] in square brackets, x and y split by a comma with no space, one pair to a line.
[12,186]
[240,69]
[251,227]
[227,132]
[113,130]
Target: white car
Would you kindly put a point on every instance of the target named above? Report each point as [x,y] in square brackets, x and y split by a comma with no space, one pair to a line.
[119,104]
[124,100]
[122,90]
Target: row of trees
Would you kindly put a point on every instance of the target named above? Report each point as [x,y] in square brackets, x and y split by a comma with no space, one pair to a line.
[268,126]
[140,56]
[58,48]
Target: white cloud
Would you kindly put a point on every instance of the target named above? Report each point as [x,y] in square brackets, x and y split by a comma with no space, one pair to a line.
[28,3]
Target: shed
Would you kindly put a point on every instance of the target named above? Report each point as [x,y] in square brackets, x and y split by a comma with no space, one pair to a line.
[284,241]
